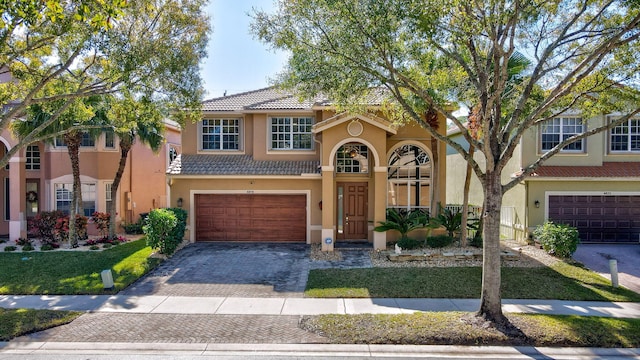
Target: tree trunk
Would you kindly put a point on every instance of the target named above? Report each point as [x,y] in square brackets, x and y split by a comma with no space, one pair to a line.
[73,147]
[125,146]
[491,301]
[435,184]
[465,200]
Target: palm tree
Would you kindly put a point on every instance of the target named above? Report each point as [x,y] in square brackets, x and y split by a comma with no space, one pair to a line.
[86,112]
[133,119]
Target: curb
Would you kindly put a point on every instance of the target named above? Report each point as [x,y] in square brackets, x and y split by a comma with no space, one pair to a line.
[323,350]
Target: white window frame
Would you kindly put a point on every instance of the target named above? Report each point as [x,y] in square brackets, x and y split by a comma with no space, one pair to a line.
[106,133]
[564,124]
[630,131]
[32,157]
[283,131]
[7,199]
[403,176]
[108,195]
[88,192]
[220,123]
[348,164]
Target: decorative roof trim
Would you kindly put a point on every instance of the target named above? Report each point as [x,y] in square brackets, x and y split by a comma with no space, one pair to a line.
[344,117]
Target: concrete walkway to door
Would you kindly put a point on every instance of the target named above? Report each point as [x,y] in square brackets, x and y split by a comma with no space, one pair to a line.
[596,257]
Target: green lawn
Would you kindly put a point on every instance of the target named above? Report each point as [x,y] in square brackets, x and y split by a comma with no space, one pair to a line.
[561,281]
[14,323]
[73,272]
[450,328]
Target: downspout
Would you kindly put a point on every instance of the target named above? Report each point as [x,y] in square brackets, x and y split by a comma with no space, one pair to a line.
[130,212]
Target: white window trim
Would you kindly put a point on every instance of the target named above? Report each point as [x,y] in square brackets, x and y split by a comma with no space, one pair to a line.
[271,150]
[582,141]
[241,133]
[32,158]
[628,135]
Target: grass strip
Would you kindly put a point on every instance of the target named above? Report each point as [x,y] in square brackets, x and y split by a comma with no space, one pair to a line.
[561,281]
[448,328]
[18,322]
[74,272]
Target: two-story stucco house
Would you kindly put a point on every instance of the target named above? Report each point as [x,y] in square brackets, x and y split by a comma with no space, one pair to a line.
[593,184]
[264,166]
[39,178]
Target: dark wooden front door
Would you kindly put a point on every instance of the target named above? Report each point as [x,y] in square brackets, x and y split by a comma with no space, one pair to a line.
[352,218]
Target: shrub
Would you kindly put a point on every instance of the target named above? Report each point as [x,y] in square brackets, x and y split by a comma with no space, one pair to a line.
[450,220]
[28,247]
[43,226]
[405,221]
[181,225]
[10,248]
[135,228]
[159,230]
[94,247]
[49,246]
[476,240]
[102,221]
[106,245]
[439,241]
[23,242]
[557,239]
[408,243]
[62,228]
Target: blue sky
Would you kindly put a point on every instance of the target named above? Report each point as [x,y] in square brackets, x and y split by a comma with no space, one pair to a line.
[237,62]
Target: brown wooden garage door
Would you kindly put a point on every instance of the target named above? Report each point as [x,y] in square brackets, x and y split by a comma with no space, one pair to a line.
[609,218]
[250,217]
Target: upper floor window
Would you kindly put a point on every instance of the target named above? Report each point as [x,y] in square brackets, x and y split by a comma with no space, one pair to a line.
[556,130]
[291,133]
[352,158]
[109,139]
[33,158]
[626,136]
[220,134]
[86,141]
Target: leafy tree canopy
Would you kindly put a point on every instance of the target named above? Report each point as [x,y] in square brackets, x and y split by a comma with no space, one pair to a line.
[53,52]
[581,55]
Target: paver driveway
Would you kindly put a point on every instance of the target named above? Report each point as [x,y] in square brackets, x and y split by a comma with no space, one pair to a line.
[596,257]
[229,269]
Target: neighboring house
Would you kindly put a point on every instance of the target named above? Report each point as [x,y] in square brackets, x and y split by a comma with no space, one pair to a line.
[264,166]
[593,184]
[39,178]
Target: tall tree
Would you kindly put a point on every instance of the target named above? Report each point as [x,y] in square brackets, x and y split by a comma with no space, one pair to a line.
[583,54]
[133,120]
[63,50]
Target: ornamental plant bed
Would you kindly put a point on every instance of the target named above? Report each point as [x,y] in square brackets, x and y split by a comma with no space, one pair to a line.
[455,255]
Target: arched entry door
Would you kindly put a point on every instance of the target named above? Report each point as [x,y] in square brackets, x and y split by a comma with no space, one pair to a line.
[352,191]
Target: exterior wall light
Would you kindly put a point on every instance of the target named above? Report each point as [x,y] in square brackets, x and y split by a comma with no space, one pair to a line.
[179,202]
[536,203]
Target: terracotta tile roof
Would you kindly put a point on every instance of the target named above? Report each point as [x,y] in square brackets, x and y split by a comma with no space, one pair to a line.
[272,98]
[205,164]
[607,170]
[263,99]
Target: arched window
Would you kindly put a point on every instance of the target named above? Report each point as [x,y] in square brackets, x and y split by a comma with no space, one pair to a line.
[409,178]
[352,158]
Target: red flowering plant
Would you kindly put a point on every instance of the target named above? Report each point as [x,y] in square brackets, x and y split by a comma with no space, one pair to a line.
[102,221]
[62,227]
[43,226]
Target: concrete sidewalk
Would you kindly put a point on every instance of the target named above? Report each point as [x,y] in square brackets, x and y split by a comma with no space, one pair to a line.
[156,304]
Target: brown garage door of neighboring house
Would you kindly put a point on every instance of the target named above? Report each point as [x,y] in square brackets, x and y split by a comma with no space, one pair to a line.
[251,217]
[599,218]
